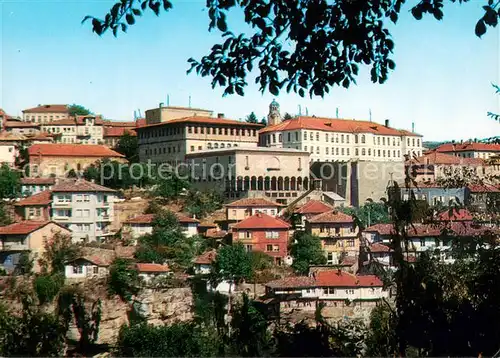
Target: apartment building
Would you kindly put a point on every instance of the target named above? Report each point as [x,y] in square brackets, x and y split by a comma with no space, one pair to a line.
[86,208]
[262,232]
[334,139]
[44,113]
[80,129]
[167,113]
[243,208]
[113,131]
[470,149]
[58,159]
[21,127]
[32,186]
[277,173]
[172,140]
[338,233]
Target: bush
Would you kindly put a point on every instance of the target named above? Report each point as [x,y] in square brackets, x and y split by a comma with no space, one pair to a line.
[123,279]
[47,287]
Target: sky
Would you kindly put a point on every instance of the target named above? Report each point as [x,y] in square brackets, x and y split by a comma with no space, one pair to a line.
[442,81]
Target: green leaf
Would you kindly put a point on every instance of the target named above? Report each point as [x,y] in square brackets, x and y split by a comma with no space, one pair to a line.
[480,29]
[130,19]
[137,12]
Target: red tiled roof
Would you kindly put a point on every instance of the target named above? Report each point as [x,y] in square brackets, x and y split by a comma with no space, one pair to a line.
[313,207]
[456,215]
[79,185]
[48,108]
[43,136]
[206,258]
[140,122]
[38,181]
[215,233]
[73,150]
[146,267]
[11,137]
[78,120]
[336,125]
[377,247]
[458,229]
[117,131]
[43,198]
[338,278]
[252,202]
[204,120]
[445,159]
[94,259]
[127,124]
[382,229]
[331,217]
[467,147]
[483,188]
[348,261]
[23,227]
[261,221]
[292,282]
[125,251]
[148,219]
[20,124]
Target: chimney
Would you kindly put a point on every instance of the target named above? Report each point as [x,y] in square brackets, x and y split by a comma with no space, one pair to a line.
[161,105]
[220,115]
[92,181]
[387,123]
[413,127]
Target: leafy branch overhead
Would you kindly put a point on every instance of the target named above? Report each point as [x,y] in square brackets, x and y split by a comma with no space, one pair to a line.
[298,45]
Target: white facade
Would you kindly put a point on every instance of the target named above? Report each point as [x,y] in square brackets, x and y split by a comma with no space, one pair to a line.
[81,269]
[337,293]
[87,214]
[83,130]
[8,153]
[137,230]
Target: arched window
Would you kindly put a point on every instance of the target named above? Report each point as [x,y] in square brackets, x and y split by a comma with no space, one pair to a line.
[363,138]
[363,152]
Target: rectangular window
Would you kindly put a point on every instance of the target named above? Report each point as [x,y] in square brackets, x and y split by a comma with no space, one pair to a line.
[86,198]
[77,270]
[269,248]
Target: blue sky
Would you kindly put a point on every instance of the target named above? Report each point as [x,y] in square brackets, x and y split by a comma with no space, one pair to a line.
[441,82]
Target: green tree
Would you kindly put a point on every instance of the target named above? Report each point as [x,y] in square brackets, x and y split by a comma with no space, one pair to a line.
[263,121]
[287,116]
[57,251]
[171,187]
[233,264]
[306,250]
[128,145]
[123,279]
[354,33]
[370,213]
[10,182]
[251,118]
[25,264]
[78,110]
[495,116]
[47,286]
[201,204]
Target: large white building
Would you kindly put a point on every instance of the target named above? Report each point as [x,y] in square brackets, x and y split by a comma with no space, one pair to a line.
[334,139]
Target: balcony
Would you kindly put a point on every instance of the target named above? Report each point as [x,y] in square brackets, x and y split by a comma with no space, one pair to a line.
[103,218]
[13,246]
[61,204]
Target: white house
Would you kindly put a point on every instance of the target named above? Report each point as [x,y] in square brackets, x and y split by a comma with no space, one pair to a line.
[143,224]
[86,267]
[203,266]
[331,285]
[147,271]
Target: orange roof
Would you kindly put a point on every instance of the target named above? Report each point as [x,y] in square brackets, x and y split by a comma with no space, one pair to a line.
[43,198]
[24,227]
[313,207]
[292,282]
[20,124]
[127,124]
[78,120]
[336,125]
[337,278]
[152,268]
[48,108]
[38,181]
[117,131]
[377,247]
[445,159]
[148,219]
[79,185]
[140,122]
[215,233]
[331,217]
[204,120]
[206,258]
[253,202]
[261,221]
[467,147]
[43,136]
[483,188]
[73,150]
[456,215]
[94,259]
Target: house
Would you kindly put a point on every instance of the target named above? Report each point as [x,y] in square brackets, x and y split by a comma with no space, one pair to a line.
[262,232]
[203,263]
[381,254]
[9,144]
[44,113]
[243,208]
[143,224]
[470,149]
[85,129]
[84,207]
[87,267]
[338,291]
[434,194]
[338,233]
[462,215]
[34,207]
[59,159]
[35,185]
[149,271]
[114,130]
[309,209]
[26,236]
[20,127]
[483,197]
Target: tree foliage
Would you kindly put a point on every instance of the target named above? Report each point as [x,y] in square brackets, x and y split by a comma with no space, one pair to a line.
[47,286]
[233,263]
[328,41]
[201,204]
[306,250]
[252,118]
[123,279]
[128,145]
[10,182]
[57,251]
[371,213]
[78,110]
